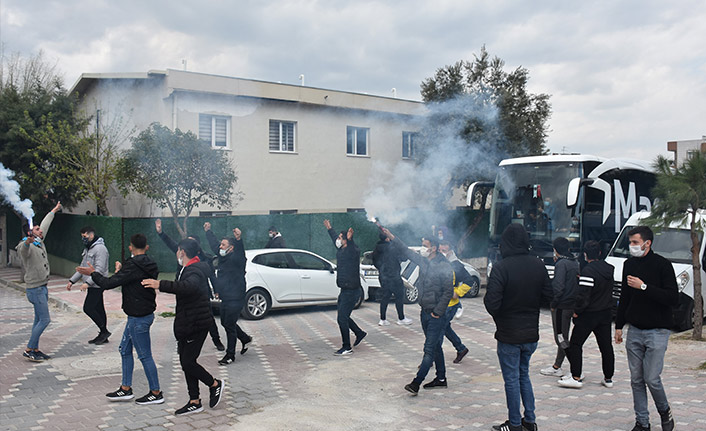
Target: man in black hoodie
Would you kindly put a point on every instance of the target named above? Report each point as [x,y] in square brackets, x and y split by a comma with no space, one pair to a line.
[649,292]
[348,280]
[230,288]
[517,286]
[387,260]
[593,312]
[193,318]
[139,305]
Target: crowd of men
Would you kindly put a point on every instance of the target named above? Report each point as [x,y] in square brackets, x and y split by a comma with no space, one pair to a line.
[517,287]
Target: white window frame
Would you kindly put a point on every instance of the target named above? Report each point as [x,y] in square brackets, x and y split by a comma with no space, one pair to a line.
[283,145]
[408,139]
[214,118]
[356,130]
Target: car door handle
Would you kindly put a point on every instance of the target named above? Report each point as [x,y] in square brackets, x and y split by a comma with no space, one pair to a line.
[306,277]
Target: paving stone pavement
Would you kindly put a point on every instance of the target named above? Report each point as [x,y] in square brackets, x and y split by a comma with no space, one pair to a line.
[289,379]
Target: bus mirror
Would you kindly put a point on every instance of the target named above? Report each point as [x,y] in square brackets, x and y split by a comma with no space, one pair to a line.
[572,193]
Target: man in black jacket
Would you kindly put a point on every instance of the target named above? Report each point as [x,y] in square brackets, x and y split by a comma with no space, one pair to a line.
[193,318]
[139,305]
[593,312]
[517,286]
[387,260]
[172,245]
[230,288]
[348,280]
[649,292]
[436,290]
[276,240]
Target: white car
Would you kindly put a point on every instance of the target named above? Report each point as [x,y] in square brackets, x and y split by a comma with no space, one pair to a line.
[285,278]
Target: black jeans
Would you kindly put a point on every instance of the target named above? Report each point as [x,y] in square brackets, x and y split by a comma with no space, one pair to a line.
[387,288]
[598,322]
[346,302]
[561,322]
[95,309]
[189,350]
[230,311]
[213,330]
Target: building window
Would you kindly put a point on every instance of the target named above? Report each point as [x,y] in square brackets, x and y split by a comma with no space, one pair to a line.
[214,130]
[408,143]
[214,213]
[357,141]
[690,154]
[282,136]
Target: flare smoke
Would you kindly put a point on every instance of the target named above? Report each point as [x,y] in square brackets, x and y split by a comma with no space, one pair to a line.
[10,190]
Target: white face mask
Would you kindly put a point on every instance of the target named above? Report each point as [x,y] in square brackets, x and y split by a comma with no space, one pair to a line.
[223,252]
[132,255]
[272,235]
[425,252]
[636,251]
[339,243]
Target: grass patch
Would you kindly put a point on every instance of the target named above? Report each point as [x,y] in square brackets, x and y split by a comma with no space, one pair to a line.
[702,366]
[167,314]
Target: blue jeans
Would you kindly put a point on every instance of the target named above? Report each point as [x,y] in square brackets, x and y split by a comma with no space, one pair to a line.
[646,348]
[449,332]
[434,334]
[39,298]
[346,303]
[137,334]
[514,362]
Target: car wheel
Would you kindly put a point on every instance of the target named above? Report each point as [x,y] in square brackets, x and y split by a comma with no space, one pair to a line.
[257,304]
[360,298]
[411,293]
[474,290]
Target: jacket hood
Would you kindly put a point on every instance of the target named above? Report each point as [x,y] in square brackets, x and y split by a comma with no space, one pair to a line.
[514,241]
[146,264]
[97,240]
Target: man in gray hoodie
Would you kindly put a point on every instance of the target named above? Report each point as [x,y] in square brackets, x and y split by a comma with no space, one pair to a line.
[96,254]
[36,265]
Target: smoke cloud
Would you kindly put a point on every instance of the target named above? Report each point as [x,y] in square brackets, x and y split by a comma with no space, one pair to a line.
[10,190]
[458,139]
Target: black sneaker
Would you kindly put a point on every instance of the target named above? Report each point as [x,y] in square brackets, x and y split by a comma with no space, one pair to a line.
[151,398]
[227,359]
[412,387]
[42,355]
[245,345]
[120,395]
[460,355]
[639,427]
[32,356]
[667,420]
[189,408]
[216,393]
[27,354]
[102,338]
[506,426]
[528,426]
[436,383]
[358,339]
[343,351]
[93,341]
[219,345]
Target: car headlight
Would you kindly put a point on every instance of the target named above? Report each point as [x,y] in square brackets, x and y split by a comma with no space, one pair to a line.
[682,280]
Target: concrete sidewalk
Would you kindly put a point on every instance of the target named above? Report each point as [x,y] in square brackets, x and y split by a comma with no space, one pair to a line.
[73,300]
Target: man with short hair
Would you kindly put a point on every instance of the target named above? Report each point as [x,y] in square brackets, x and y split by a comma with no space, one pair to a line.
[94,253]
[193,318]
[462,284]
[35,262]
[139,305]
[276,240]
[649,292]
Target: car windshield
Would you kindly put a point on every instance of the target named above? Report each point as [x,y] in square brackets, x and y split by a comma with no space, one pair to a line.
[673,244]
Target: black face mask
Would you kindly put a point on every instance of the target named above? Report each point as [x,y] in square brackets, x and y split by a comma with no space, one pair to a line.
[85,240]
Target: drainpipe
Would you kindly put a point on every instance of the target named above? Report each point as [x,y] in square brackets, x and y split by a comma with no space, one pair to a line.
[174,110]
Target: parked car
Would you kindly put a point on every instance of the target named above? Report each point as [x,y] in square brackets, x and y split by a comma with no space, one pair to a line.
[285,278]
[673,243]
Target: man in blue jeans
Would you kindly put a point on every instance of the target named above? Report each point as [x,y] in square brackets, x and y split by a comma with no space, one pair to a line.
[517,286]
[139,305]
[649,291]
[35,262]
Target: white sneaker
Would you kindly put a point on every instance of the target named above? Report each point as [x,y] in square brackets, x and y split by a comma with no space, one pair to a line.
[607,383]
[405,321]
[551,371]
[569,382]
[459,313]
[383,323]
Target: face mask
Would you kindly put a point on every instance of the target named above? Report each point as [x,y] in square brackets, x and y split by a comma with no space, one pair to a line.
[222,252]
[271,235]
[636,251]
[339,243]
[425,252]
[131,256]
[85,240]
[441,237]
[546,203]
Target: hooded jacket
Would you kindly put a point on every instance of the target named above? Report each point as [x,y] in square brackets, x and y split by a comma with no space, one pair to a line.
[387,260]
[97,254]
[230,270]
[193,311]
[348,263]
[595,291]
[276,241]
[137,301]
[517,286]
[565,283]
[436,279]
[34,257]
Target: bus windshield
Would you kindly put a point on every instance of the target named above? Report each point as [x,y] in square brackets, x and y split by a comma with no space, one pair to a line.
[673,244]
[535,195]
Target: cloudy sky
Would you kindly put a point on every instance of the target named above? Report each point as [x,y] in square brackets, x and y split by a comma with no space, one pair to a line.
[624,77]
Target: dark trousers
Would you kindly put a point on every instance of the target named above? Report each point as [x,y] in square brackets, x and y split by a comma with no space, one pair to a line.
[189,350]
[598,322]
[230,312]
[561,322]
[95,309]
[213,330]
[346,302]
[433,328]
[387,288]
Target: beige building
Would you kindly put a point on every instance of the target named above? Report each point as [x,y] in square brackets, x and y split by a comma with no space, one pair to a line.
[294,148]
[683,149]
